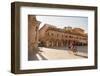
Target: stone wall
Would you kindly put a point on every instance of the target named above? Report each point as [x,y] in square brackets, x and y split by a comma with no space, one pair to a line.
[33,32]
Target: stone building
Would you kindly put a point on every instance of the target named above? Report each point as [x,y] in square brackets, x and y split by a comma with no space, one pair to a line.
[51,36]
[33,31]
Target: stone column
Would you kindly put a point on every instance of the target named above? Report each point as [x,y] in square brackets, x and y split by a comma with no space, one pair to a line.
[61,43]
[52,43]
[47,44]
[57,43]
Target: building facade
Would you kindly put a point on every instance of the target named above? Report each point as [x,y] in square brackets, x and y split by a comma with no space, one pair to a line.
[33,31]
[51,36]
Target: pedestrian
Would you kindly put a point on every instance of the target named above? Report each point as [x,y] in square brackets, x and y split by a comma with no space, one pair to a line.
[75,49]
[70,46]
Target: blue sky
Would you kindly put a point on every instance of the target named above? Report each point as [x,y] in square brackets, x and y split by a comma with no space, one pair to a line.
[64,21]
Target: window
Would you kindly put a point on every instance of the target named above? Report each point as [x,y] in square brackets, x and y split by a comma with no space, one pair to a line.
[52,34]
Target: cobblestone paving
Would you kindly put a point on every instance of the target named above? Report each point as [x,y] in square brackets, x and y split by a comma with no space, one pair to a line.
[59,53]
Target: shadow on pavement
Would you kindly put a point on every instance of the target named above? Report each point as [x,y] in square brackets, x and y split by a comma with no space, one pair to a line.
[33,56]
[43,58]
[81,56]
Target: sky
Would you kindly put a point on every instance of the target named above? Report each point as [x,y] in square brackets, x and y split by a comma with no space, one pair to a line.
[64,21]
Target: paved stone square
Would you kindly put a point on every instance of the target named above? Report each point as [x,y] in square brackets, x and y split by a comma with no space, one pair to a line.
[62,53]
[59,53]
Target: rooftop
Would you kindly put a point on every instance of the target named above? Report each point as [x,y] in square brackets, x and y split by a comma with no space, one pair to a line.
[72,31]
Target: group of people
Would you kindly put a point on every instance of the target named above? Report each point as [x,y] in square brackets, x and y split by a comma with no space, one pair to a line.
[73,47]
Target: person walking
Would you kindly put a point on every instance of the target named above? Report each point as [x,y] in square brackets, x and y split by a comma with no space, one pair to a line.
[74,49]
[70,46]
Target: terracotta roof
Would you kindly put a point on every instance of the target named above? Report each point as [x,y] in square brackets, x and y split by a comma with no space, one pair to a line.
[66,31]
[54,28]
